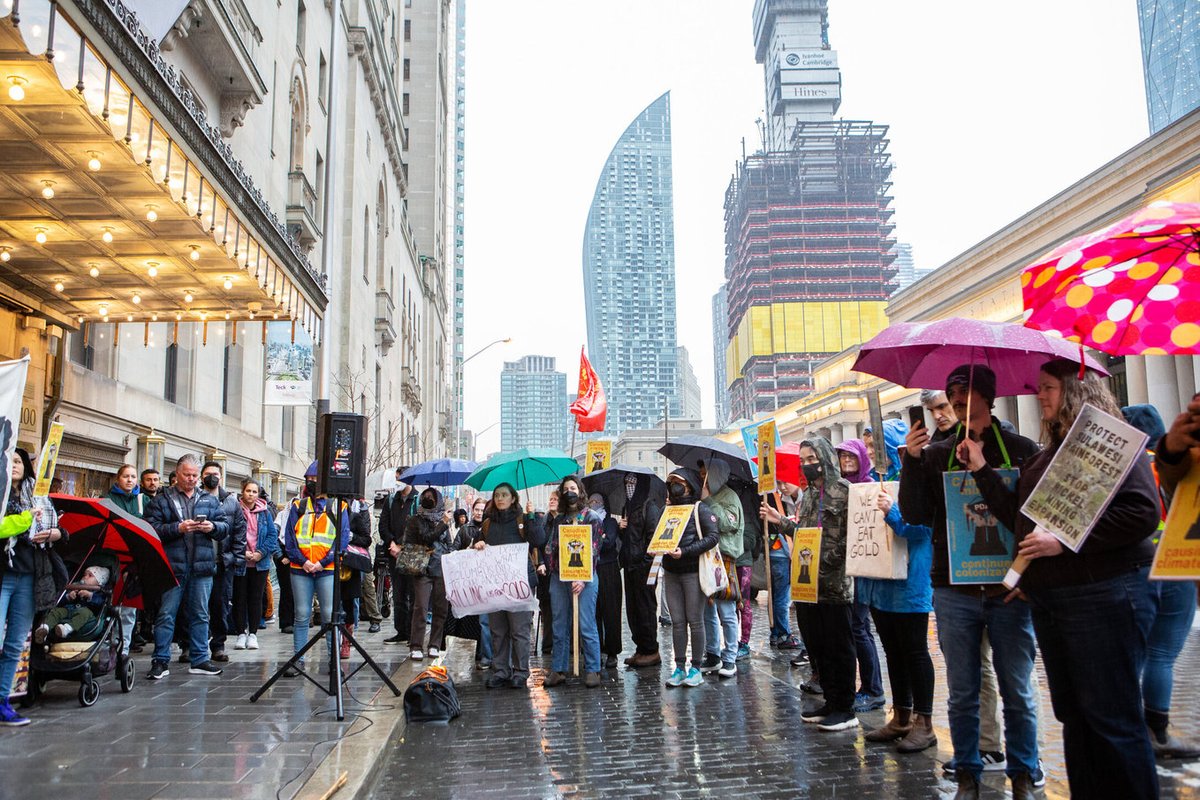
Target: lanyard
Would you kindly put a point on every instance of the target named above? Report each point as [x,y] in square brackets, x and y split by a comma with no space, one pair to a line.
[999,442]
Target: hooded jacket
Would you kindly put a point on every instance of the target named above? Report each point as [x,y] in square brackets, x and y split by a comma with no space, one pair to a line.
[894,431]
[858,449]
[291,545]
[701,533]
[727,507]
[429,528]
[826,506]
[133,503]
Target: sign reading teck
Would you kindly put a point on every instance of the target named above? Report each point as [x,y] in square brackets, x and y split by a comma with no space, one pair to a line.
[873,550]
[599,456]
[48,460]
[806,564]
[670,528]
[766,456]
[1084,475]
[575,553]
[980,547]
[1178,555]
[289,365]
[495,578]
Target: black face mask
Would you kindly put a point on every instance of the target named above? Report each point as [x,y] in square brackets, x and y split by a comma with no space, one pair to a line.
[570,499]
[428,502]
[310,488]
[211,481]
[677,491]
[813,472]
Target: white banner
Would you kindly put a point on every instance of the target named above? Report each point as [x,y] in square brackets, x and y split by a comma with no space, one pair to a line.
[495,578]
[12,388]
[289,365]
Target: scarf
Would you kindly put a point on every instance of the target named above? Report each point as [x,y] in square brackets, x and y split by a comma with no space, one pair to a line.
[251,515]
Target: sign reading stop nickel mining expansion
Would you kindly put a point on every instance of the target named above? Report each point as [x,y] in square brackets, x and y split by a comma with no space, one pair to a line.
[1083,476]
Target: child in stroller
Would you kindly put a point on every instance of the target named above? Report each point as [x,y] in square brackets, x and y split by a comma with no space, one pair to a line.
[79,610]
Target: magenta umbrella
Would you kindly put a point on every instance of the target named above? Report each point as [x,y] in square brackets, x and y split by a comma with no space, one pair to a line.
[920,355]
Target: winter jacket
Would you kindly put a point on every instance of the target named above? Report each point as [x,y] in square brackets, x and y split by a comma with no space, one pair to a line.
[394,518]
[826,506]
[41,560]
[641,516]
[360,524]
[894,432]
[610,540]
[267,538]
[291,547]
[133,503]
[430,530]
[727,507]
[513,527]
[555,521]
[700,535]
[923,495]
[189,553]
[233,547]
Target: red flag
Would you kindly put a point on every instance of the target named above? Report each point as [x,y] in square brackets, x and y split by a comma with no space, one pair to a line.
[590,407]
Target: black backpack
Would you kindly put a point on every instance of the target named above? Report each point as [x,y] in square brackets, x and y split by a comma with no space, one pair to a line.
[431,697]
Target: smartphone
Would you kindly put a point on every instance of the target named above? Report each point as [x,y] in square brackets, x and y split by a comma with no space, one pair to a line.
[201,517]
[916,417]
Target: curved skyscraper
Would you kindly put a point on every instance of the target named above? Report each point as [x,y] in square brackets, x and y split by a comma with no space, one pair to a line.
[629,274]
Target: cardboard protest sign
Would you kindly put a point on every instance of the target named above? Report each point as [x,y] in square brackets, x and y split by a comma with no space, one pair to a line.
[495,578]
[575,552]
[873,550]
[1178,555]
[806,564]
[980,547]
[766,457]
[1084,475]
[599,456]
[750,442]
[48,460]
[670,528]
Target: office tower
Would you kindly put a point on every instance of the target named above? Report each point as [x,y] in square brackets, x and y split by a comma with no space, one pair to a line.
[533,404]
[1170,33]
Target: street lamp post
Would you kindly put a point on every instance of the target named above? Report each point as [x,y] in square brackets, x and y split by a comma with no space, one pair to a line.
[458,426]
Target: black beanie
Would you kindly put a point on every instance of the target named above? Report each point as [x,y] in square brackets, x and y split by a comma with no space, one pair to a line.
[978,377]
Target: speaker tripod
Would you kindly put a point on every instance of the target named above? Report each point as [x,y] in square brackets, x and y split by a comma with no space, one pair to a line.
[337,629]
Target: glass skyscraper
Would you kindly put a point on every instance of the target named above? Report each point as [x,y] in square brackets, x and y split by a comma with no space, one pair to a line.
[533,404]
[1170,32]
[629,275]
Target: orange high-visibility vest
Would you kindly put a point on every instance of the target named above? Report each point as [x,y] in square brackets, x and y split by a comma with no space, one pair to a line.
[315,534]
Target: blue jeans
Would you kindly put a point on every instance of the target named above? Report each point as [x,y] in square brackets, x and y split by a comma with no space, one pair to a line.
[485,638]
[16,612]
[304,586]
[961,621]
[589,635]
[193,592]
[870,680]
[721,619]
[1093,642]
[781,597]
[1172,623]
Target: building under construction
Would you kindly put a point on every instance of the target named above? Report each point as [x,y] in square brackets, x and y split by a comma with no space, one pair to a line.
[808,258]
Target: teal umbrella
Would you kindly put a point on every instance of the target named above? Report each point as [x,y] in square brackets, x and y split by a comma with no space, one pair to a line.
[529,466]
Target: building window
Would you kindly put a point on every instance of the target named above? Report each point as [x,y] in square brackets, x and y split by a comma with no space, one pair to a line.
[404,104]
[367,246]
[289,429]
[407,69]
[408,30]
[320,189]
[83,354]
[322,80]
[171,383]
[231,396]
[301,13]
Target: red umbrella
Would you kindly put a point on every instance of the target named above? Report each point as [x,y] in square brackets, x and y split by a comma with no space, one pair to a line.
[1132,288]
[787,464]
[99,525]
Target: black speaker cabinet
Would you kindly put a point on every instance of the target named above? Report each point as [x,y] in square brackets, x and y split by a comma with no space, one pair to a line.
[342,454]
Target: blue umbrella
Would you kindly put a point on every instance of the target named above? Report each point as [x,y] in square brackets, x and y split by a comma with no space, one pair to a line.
[439,472]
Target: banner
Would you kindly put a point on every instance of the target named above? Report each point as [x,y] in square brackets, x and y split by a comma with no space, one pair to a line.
[750,442]
[767,436]
[1178,554]
[670,528]
[495,578]
[980,548]
[873,550]
[289,365]
[591,406]
[12,388]
[806,565]
[48,460]
[575,553]
[599,456]
[1084,475]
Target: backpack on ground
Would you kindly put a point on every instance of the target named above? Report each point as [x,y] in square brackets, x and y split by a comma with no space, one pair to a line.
[431,697]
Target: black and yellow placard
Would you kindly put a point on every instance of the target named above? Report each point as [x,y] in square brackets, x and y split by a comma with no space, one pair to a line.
[806,564]
[575,553]
[670,528]
[599,456]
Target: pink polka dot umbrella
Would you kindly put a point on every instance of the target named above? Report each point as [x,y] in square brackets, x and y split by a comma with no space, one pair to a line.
[1132,288]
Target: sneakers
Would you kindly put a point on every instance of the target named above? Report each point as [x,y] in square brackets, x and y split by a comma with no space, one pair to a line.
[743,652]
[801,660]
[397,639]
[789,643]
[293,672]
[694,678]
[158,671]
[711,663]
[9,716]
[40,634]
[434,652]
[815,715]
[1039,776]
[240,644]
[677,678]
[727,670]
[811,687]
[993,760]
[838,721]
[664,620]
[63,631]
[864,702]
[416,655]
[252,641]
[373,628]
[207,668]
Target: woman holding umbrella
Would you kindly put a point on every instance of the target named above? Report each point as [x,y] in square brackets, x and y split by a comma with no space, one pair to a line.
[1091,610]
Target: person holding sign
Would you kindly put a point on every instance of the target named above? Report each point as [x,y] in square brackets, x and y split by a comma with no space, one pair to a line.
[966,612]
[1092,609]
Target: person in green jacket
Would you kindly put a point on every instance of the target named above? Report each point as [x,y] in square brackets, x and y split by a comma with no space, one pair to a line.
[721,622]
[126,496]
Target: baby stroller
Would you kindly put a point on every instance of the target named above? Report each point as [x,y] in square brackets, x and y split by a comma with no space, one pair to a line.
[94,650]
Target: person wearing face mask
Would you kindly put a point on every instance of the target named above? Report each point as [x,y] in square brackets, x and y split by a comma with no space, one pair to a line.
[231,561]
[429,527]
[641,603]
[608,601]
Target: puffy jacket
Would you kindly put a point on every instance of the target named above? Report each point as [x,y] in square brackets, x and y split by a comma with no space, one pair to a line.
[393,519]
[727,507]
[894,432]
[360,525]
[700,535]
[191,553]
[826,506]
[267,541]
[233,548]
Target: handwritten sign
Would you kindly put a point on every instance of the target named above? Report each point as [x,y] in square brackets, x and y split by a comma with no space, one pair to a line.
[495,578]
[599,456]
[48,460]
[1084,475]
[1178,555]
[670,528]
[980,547]
[806,565]
[766,457]
[873,550]
[575,552]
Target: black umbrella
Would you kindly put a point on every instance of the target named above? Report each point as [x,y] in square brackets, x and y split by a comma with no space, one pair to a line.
[689,450]
[611,483]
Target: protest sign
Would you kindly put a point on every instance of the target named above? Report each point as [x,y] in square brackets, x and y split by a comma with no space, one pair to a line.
[670,528]
[575,553]
[873,550]
[1084,475]
[750,442]
[12,389]
[766,456]
[48,460]
[980,547]
[1178,555]
[806,564]
[599,456]
[495,578]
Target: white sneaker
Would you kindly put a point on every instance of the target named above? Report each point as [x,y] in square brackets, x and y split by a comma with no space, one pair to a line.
[434,652]
[63,631]
[416,655]
[240,644]
[252,641]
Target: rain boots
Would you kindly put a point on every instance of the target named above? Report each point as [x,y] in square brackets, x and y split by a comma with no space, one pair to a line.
[346,642]
[920,737]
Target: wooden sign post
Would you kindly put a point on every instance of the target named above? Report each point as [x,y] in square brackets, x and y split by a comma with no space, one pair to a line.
[575,564]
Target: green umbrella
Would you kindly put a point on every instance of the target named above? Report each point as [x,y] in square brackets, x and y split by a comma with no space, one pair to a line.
[529,466]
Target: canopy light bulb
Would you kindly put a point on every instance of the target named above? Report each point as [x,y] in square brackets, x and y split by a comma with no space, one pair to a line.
[103,310]
[41,236]
[5,255]
[103,319]
[107,236]
[94,271]
[129,317]
[151,214]
[154,317]
[227,315]
[137,299]
[58,287]
[48,190]
[94,161]
[275,315]
[228,284]
[178,316]
[187,298]
[152,270]
[195,253]
[16,88]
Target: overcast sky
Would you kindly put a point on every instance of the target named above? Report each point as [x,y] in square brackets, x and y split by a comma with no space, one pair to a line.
[993,108]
